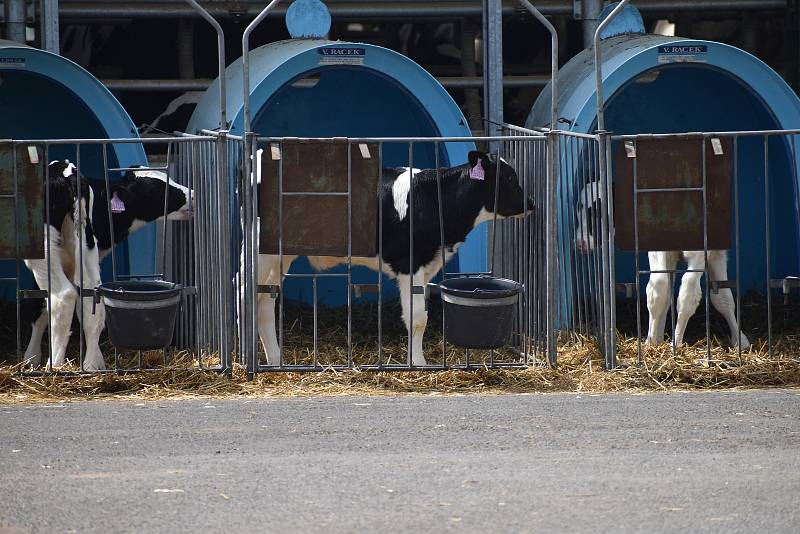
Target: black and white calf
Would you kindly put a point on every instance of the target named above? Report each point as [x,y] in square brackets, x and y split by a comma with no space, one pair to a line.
[659,286]
[468,198]
[135,200]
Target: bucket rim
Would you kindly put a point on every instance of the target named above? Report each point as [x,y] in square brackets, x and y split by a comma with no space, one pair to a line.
[127,290]
[512,288]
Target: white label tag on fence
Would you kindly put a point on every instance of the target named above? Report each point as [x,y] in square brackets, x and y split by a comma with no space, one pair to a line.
[716,144]
[630,149]
[364,148]
[33,155]
[276,152]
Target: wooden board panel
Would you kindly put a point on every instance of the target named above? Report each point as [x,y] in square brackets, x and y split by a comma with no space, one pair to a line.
[316,224]
[29,216]
[673,220]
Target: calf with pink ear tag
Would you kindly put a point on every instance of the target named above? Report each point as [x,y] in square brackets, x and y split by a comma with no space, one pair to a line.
[139,198]
[471,193]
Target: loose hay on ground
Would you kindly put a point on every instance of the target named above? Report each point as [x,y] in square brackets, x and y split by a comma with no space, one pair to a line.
[579,370]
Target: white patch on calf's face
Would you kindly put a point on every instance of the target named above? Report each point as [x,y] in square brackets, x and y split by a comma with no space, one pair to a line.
[187,210]
[400,189]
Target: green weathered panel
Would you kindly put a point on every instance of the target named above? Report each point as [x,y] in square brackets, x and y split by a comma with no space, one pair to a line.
[21,214]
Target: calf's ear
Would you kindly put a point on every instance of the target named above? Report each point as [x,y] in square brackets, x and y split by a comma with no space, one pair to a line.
[475,156]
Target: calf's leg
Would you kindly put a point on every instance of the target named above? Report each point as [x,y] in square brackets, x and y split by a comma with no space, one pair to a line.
[33,354]
[415,315]
[723,299]
[92,323]
[659,293]
[690,294]
[62,297]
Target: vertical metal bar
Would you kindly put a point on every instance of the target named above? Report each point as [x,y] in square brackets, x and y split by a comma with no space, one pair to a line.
[223,120]
[225,239]
[165,212]
[380,257]
[705,252]
[767,242]
[440,203]
[590,13]
[48,26]
[605,225]
[15,20]
[252,297]
[635,216]
[551,237]
[598,69]
[245,342]
[493,70]
[200,267]
[316,323]
[49,255]
[17,254]
[494,209]
[738,244]
[349,255]
[282,337]
[80,253]
[108,211]
[246,62]
[612,268]
[409,359]
[553,59]
[606,186]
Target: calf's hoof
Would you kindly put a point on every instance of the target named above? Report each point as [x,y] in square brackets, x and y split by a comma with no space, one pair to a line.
[94,362]
[32,360]
[745,342]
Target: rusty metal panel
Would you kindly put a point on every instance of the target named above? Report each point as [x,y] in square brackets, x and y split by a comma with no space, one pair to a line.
[316,224]
[30,196]
[673,220]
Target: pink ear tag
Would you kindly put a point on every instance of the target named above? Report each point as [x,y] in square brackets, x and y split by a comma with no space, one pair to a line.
[117,206]
[477,172]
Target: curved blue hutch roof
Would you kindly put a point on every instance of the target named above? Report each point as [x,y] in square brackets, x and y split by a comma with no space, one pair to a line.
[627,57]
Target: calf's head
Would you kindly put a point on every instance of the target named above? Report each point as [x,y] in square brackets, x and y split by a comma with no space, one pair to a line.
[500,180]
[143,196]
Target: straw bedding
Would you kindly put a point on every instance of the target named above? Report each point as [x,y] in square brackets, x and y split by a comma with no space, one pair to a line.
[579,370]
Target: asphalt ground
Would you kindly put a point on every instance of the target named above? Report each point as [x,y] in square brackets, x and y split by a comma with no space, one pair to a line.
[676,462]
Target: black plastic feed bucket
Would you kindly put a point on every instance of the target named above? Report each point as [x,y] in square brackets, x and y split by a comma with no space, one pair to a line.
[141,315]
[479,310]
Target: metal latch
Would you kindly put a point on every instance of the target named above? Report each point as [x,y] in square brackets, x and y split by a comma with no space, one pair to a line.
[716,285]
[272,291]
[629,288]
[360,289]
[32,294]
[786,284]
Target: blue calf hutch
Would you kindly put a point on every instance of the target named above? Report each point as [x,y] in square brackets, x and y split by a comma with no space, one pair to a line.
[319,88]
[46,96]
[657,84]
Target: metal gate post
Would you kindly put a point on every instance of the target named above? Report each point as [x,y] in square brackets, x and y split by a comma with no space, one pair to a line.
[606,184]
[551,261]
[225,274]
[493,68]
